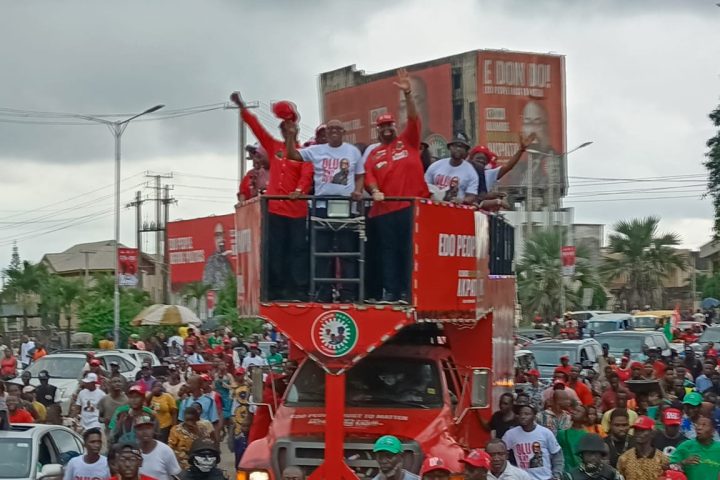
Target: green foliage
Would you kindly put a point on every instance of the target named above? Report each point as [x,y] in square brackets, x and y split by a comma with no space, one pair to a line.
[712,164]
[539,276]
[95,310]
[708,286]
[643,258]
[226,309]
[195,291]
[25,285]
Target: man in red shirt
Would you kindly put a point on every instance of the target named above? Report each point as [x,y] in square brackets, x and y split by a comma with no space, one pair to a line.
[564,366]
[255,181]
[623,371]
[394,169]
[287,219]
[15,414]
[583,391]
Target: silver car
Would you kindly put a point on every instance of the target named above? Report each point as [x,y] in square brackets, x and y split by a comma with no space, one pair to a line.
[37,451]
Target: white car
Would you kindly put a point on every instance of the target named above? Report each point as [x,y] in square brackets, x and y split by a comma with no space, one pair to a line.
[66,369]
[31,451]
[140,356]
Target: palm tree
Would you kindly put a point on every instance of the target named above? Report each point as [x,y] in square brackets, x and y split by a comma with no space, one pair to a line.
[539,276]
[642,257]
[25,285]
[68,291]
[196,291]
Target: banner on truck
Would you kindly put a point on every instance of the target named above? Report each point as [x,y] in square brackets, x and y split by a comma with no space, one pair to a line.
[519,94]
[359,106]
[202,250]
[127,268]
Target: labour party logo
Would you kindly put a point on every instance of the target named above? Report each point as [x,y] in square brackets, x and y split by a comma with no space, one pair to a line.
[334,333]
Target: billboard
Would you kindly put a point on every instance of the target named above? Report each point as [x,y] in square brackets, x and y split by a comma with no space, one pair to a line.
[248,222]
[127,267]
[518,94]
[358,106]
[202,250]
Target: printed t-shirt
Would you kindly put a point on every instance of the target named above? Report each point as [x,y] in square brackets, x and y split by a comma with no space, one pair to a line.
[454,182]
[397,170]
[163,405]
[78,469]
[88,402]
[532,450]
[334,168]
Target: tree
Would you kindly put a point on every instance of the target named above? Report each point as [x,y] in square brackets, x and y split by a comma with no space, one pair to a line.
[642,258]
[712,164]
[68,292]
[539,276]
[15,261]
[96,307]
[25,285]
[226,308]
[195,291]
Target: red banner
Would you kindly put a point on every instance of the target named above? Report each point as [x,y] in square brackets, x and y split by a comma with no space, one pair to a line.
[445,276]
[518,94]
[248,226]
[358,107]
[127,267]
[567,256]
[202,250]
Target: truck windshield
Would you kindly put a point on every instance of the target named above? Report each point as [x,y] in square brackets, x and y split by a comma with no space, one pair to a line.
[645,322]
[551,356]
[600,326]
[377,382]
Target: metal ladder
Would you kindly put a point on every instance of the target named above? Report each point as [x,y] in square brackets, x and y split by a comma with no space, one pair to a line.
[337,224]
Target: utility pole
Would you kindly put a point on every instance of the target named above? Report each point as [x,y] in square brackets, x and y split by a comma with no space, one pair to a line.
[87,265]
[138,232]
[158,227]
[166,257]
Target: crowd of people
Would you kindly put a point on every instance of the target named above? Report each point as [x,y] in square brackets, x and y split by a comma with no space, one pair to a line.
[398,165]
[635,420]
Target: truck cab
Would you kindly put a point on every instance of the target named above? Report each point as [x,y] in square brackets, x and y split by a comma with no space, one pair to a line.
[426,372]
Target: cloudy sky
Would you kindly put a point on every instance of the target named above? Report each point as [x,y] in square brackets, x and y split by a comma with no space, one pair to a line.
[641,78]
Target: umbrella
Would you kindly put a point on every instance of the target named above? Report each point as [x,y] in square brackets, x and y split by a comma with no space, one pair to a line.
[710,302]
[166,315]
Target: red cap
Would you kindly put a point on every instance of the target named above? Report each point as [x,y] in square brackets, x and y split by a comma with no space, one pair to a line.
[94,362]
[636,365]
[489,154]
[384,118]
[673,475]
[625,359]
[227,341]
[533,373]
[671,416]
[239,371]
[644,423]
[205,377]
[137,388]
[433,464]
[285,110]
[218,350]
[253,345]
[477,458]
[566,357]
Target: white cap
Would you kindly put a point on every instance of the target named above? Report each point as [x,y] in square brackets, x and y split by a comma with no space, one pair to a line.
[28,389]
[90,378]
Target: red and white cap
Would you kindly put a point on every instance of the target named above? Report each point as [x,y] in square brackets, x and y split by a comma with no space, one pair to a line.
[434,464]
[384,118]
[478,458]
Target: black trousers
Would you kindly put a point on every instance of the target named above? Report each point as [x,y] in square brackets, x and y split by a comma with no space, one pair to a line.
[393,232]
[326,267]
[288,260]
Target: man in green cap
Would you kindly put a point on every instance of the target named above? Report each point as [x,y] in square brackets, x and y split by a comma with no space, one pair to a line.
[692,403]
[389,455]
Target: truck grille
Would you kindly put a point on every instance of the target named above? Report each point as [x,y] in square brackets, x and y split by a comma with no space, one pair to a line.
[307,453]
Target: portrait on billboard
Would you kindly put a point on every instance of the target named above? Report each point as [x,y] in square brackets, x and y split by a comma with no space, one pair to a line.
[218,267]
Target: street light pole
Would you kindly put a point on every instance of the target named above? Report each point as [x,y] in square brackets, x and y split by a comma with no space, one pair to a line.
[117,128]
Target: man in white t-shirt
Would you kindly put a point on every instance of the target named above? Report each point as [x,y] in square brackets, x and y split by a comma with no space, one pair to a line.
[454,179]
[338,172]
[253,359]
[87,402]
[25,347]
[92,464]
[158,460]
[534,447]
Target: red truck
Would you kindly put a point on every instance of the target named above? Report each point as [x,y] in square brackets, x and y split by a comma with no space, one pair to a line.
[424,372]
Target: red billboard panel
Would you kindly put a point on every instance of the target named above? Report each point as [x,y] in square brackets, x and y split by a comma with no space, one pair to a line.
[519,94]
[127,267]
[248,223]
[358,106]
[445,274]
[567,255]
[202,250]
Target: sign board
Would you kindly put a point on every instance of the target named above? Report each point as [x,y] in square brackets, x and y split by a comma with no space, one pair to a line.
[127,267]
[202,250]
[567,256]
[587,297]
